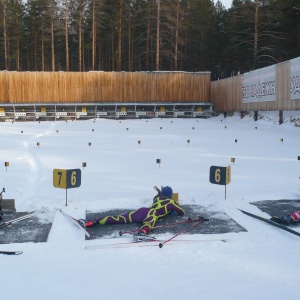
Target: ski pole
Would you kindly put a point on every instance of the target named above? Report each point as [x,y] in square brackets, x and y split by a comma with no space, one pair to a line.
[189,220]
[181,232]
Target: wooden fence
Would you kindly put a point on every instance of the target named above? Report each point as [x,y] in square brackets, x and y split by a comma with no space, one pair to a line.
[226,94]
[91,87]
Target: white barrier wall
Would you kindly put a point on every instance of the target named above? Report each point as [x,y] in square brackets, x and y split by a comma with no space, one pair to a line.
[259,85]
[274,88]
[295,78]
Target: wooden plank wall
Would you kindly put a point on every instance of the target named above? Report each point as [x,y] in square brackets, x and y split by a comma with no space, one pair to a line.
[90,87]
[226,94]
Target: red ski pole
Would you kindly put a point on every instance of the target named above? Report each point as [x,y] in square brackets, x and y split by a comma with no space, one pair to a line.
[181,232]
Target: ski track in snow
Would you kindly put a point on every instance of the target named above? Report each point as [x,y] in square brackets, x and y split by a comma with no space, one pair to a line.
[30,157]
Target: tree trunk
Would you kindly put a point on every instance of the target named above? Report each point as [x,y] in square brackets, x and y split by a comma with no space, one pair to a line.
[43,48]
[129,45]
[255,34]
[35,51]
[148,36]
[80,37]
[67,35]
[187,32]
[119,60]
[157,36]
[112,50]
[18,53]
[94,36]
[5,37]
[52,38]
[176,37]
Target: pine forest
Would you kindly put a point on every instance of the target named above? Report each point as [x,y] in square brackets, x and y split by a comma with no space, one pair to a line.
[148,35]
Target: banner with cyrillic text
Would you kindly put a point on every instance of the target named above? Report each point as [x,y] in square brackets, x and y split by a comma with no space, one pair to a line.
[259,85]
[295,78]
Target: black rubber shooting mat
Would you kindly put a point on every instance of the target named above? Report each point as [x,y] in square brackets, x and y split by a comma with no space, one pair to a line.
[278,208]
[29,230]
[219,223]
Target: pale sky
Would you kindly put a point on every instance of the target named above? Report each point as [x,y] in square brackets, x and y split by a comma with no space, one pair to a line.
[226,3]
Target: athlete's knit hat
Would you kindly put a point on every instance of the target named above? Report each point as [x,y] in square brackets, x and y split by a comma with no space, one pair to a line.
[166,191]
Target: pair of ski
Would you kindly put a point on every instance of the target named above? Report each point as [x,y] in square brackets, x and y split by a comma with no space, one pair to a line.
[152,241]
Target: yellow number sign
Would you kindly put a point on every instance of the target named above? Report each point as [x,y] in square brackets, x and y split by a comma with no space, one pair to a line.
[220,175]
[66,179]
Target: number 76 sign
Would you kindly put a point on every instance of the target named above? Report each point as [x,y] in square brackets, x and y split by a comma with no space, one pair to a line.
[66,179]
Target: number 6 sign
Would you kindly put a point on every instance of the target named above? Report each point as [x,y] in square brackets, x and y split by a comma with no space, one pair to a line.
[220,175]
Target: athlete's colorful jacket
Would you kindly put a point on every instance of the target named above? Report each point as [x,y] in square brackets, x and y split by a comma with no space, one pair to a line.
[161,207]
[296,216]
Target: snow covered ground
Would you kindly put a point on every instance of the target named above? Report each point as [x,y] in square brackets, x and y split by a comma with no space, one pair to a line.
[263,263]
